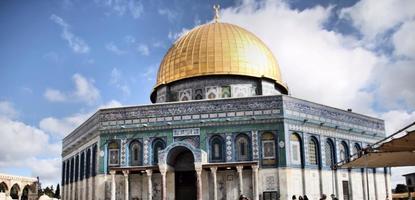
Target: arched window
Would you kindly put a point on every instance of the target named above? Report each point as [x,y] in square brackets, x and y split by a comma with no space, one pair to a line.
[76,168]
[343,151]
[295,146]
[158,144]
[242,147]
[63,174]
[198,94]
[72,169]
[94,160]
[356,149]
[268,149]
[136,153]
[82,171]
[3,187]
[67,177]
[313,151]
[113,154]
[88,163]
[268,146]
[14,191]
[216,148]
[329,150]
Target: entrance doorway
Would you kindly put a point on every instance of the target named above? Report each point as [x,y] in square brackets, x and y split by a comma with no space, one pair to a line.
[182,160]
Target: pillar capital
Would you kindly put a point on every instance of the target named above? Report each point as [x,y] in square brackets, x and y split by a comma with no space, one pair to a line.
[112,172]
[163,168]
[149,172]
[125,172]
[239,168]
[198,168]
[255,167]
[213,170]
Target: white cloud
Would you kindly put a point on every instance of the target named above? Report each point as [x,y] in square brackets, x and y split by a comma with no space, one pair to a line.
[394,88]
[110,104]
[176,35]
[150,73]
[133,7]
[62,127]
[143,49]
[337,69]
[114,48]
[48,170]
[404,40]
[54,95]
[77,44]
[331,65]
[397,119]
[84,91]
[170,14]
[129,39]
[373,18]
[20,141]
[117,81]
[7,110]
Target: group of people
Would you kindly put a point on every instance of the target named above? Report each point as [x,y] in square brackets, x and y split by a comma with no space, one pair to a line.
[323,197]
[300,197]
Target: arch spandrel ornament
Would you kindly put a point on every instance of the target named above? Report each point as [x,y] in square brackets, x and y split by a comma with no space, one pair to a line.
[199,155]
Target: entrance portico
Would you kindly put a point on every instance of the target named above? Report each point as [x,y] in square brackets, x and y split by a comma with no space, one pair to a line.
[179,171]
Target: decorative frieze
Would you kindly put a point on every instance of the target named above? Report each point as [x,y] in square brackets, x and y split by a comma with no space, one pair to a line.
[305,108]
[329,133]
[186,132]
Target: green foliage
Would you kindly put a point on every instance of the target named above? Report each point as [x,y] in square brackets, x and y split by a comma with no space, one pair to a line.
[57,192]
[401,188]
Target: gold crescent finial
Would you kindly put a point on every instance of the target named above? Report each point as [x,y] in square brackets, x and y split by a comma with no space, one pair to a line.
[216,8]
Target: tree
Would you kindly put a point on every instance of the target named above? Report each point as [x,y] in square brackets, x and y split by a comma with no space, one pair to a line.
[401,188]
[49,191]
[57,192]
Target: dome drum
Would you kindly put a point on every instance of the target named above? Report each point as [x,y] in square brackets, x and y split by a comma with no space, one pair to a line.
[217,50]
[214,87]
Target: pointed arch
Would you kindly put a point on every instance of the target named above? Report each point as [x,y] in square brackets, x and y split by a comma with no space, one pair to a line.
[344,151]
[269,151]
[15,191]
[136,153]
[113,153]
[296,149]
[313,151]
[158,144]
[329,153]
[243,147]
[217,148]
[3,187]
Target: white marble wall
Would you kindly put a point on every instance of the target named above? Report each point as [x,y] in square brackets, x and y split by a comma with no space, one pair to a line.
[288,181]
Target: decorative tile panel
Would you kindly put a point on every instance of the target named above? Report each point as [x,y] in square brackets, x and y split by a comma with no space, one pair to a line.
[229,147]
[146,151]
[123,152]
[255,149]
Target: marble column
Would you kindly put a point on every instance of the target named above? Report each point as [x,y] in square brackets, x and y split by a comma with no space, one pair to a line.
[127,185]
[239,168]
[215,186]
[198,169]
[150,184]
[163,172]
[255,182]
[112,184]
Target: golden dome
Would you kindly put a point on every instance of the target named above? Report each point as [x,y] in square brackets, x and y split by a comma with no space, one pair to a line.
[218,49]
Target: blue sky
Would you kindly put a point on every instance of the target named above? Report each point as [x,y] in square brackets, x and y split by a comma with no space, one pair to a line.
[62,60]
